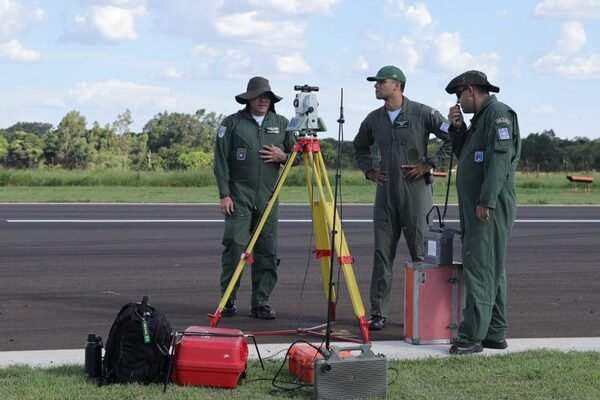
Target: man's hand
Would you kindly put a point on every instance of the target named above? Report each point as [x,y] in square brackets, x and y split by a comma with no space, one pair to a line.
[483,213]
[416,170]
[226,205]
[455,116]
[378,176]
[272,154]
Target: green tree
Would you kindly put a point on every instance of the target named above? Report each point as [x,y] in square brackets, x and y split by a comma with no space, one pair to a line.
[189,130]
[24,151]
[68,145]
[3,149]
[541,150]
[195,159]
[37,128]
[123,123]
[135,146]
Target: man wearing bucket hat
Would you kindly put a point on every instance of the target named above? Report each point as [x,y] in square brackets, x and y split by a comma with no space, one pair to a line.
[250,147]
[401,130]
[488,152]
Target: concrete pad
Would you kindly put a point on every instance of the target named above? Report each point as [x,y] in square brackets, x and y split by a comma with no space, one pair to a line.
[393,350]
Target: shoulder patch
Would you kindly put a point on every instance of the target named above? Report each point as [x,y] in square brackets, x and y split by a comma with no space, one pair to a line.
[503,134]
[503,120]
[445,126]
[221,131]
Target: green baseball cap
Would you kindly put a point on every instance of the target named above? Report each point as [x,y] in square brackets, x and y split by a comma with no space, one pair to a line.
[388,72]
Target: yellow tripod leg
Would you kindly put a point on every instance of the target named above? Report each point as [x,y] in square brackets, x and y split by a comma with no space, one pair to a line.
[324,223]
[246,255]
[323,249]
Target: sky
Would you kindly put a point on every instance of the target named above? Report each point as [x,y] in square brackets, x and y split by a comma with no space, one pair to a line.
[101,57]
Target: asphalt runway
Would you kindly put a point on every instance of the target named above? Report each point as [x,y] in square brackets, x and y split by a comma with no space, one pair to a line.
[66,270]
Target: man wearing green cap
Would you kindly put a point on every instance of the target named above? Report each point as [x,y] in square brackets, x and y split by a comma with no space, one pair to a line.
[488,152]
[401,130]
[250,147]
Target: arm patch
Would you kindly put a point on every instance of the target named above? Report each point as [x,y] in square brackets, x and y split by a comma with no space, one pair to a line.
[503,133]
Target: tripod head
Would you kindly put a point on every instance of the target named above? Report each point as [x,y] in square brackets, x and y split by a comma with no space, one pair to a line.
[307,120]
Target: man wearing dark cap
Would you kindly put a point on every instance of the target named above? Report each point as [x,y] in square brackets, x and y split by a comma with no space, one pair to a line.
[488,152]
[250,147]
[401,130]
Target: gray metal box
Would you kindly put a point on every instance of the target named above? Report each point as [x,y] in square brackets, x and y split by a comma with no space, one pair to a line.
[351,377]
[438,245]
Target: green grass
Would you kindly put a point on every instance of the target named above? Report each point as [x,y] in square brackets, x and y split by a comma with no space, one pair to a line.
[199,187]
[528,375]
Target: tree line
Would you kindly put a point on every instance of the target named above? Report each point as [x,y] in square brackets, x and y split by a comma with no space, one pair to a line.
[180,141]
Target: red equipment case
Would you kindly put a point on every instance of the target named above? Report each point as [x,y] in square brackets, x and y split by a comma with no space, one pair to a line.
[433,298]
[206,356]
[301,362]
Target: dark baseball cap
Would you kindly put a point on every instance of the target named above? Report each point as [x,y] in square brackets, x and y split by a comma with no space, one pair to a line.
[471,78]
[388,72]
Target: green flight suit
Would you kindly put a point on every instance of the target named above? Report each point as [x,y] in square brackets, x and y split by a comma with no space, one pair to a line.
[488,153]
[241,174]
[400,205]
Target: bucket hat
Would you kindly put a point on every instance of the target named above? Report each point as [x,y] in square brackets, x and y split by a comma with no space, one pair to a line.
[257,86]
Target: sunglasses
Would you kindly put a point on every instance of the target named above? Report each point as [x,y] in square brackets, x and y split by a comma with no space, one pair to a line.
[460,91]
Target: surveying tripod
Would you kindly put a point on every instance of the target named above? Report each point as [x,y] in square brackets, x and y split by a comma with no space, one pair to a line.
[324,218]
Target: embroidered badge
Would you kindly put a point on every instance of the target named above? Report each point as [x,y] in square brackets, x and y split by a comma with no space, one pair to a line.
[479,156]
[401,124]
[503,133]
[221,131]
[503,120]
[271,130]
[241,154]
[444,127]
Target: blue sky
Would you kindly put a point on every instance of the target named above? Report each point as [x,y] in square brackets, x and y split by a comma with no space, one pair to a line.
[100,57]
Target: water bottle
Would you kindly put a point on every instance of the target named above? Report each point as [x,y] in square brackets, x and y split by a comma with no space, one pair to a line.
[93,356]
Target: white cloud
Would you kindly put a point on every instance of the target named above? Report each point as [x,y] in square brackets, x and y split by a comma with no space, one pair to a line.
[172,73]
[451,57]
[544,109]
[571,68]
[117,94]
[297,7]
[572,38]
[424,44]
[12,18]
[568,9]
[395,8]
[251,28]
[292,64]
[115,23]
[407,51]
[419,15]
[361,63]
[564,62]
[14,51]
[107,23]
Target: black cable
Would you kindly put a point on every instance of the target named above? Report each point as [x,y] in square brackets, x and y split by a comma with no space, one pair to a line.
[338,174]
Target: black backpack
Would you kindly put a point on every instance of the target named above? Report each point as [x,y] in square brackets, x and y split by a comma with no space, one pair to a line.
[137,349]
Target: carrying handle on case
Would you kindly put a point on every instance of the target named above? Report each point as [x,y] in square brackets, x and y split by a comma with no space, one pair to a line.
[439,216]
[365,349]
